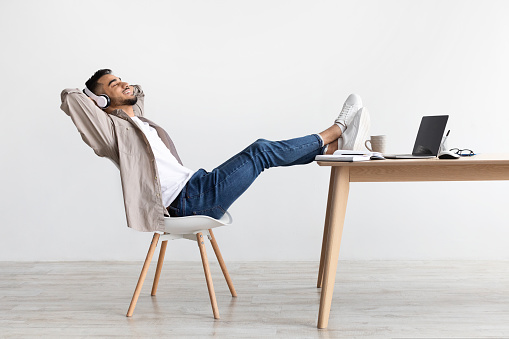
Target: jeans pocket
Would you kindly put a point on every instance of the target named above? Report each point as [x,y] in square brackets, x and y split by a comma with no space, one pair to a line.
[215,212]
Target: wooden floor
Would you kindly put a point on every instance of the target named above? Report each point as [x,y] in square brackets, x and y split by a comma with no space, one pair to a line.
[372,299]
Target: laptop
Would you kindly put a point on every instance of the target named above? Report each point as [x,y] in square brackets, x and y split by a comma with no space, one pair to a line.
[429,137]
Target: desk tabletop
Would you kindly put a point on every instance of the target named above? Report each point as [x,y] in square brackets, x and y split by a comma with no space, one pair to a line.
[478,167]
[480,159]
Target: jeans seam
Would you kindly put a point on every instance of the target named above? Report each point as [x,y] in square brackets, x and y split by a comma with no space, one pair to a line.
[183,207]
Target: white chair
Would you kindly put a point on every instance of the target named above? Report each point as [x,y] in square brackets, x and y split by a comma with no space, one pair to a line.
[192,228]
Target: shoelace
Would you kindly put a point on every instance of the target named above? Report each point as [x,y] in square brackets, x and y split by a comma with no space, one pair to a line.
[345,112]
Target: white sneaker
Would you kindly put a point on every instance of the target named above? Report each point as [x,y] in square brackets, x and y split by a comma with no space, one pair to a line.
[357,132]
[352,104]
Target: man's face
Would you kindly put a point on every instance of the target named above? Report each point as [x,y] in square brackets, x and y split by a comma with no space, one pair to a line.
[120,93]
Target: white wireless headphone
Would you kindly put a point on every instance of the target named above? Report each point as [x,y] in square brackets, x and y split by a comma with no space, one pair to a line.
[102,100]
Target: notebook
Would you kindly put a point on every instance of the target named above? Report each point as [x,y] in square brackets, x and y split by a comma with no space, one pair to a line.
[349,156]
[429,137]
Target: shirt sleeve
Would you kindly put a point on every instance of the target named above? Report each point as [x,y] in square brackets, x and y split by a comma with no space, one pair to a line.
[95,125]
[139,109]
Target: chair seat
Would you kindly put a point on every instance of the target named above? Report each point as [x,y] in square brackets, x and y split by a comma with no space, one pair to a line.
[194,223]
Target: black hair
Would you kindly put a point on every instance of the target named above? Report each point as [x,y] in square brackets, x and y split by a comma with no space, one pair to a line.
[92,84]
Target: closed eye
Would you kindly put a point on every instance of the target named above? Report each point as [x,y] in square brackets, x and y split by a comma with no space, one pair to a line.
[114,82]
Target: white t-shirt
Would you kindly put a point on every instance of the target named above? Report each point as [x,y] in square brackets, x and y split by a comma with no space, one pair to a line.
[172,175]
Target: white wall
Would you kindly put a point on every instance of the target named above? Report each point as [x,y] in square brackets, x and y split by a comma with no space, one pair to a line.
[220,74]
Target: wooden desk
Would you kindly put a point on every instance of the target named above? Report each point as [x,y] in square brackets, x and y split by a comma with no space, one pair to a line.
[479,167]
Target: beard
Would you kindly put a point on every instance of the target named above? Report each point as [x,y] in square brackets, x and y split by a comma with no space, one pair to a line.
[124,102]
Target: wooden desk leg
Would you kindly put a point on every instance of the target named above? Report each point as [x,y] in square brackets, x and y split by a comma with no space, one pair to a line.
[326,228]
[337,219]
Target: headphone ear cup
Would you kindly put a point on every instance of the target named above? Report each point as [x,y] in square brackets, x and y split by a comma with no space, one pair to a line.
[103,101]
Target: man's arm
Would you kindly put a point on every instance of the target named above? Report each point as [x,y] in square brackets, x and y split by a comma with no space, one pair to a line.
[139,109]
[95,125]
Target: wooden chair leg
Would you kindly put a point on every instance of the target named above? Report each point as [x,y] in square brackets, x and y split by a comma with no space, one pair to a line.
[159,266]
[208,277]
[222,264]
[143,274]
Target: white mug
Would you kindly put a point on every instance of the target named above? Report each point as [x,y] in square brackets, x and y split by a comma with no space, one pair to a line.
[377,143]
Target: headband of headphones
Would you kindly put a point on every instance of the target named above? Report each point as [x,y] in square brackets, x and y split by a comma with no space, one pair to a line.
[103,101]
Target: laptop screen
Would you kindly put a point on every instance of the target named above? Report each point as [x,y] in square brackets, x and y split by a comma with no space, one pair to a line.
[430,135]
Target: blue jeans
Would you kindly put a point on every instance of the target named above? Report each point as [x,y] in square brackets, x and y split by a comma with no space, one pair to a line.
[212,193]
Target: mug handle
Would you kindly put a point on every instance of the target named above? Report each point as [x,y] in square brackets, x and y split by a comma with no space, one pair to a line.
[366,144]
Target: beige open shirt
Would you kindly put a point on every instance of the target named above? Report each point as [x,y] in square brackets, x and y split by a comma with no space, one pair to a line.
[117,137]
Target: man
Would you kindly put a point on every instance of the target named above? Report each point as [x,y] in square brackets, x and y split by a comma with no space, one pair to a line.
[154,181]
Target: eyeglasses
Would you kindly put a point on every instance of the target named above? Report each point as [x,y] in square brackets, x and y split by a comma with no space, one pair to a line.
[463,152]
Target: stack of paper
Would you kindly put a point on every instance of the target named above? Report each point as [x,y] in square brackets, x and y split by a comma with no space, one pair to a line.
[349,156]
